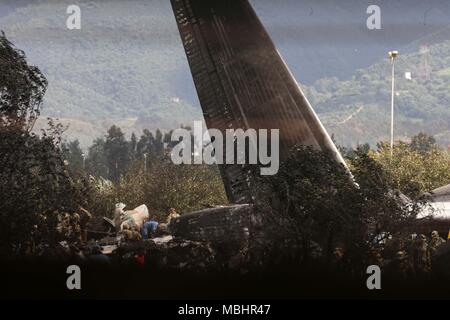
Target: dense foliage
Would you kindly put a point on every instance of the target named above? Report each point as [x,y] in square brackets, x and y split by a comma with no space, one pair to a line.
[414,168]
[138,171]
[35,186]
[322,208]
[22,88]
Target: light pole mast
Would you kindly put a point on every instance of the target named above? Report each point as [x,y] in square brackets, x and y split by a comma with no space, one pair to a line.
[84,161]
[145,162]
[392,55]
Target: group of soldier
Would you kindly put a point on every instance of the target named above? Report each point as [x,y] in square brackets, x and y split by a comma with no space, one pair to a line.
[415,257]
[73,226]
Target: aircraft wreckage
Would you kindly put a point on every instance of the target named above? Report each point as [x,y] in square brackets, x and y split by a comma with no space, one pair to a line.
[242,82]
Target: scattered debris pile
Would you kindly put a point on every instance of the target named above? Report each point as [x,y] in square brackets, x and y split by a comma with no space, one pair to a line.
[218,238]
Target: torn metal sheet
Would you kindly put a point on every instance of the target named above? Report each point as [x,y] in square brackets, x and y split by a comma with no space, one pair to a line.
[161,240]
[221,224]
[108,249]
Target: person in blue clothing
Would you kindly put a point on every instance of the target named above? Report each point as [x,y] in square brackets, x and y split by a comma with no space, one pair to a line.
[148,229]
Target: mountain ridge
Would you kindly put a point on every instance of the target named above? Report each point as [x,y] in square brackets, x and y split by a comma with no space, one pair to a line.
[127,65]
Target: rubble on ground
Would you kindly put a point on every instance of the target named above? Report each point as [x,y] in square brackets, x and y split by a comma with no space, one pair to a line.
[212,239]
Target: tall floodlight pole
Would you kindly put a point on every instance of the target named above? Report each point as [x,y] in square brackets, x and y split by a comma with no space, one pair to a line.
[145,162]
[392,55]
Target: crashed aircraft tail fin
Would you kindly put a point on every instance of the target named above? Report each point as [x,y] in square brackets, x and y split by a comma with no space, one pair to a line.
[242,82]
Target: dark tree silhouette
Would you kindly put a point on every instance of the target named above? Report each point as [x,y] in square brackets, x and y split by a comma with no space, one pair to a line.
[117,152]
[35,186]
[22,88]
[96,162]
[318,205]
[72,153]
[423,143]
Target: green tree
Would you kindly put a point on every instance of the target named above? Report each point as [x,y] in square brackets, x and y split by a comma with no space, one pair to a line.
[146,144]
[72,153]
[22,88]
[412,171]
[117,152]
[423,143]
[166,185]
[96,162]
[159,143]
[35,186]
[133,146]
[315,203]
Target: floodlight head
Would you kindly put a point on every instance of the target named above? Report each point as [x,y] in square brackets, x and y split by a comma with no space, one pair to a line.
[393,54]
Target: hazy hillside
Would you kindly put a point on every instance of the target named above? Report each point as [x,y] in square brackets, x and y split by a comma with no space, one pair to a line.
[330,38]
[358,110]
[127,65]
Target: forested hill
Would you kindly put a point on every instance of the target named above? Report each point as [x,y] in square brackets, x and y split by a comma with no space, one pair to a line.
[126,66]
[358,110]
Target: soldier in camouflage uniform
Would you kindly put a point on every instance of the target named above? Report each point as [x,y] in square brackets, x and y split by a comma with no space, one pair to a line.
[401,266]
[75,228]
[435,242]
[422,258]
[131,233]
[85,217]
